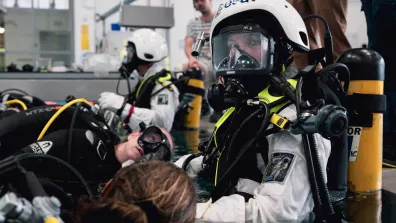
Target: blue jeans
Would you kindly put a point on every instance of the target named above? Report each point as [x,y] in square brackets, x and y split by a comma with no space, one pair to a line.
[381,20]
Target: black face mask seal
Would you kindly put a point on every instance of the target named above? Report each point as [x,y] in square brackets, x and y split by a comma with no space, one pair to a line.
[152,138]
[131,60]
[243,50]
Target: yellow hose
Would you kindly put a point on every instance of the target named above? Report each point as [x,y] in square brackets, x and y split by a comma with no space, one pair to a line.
[16,101]
[64,107]
[388,165]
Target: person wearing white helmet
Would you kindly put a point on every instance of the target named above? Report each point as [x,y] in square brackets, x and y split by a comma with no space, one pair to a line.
[258,176]
[154,100]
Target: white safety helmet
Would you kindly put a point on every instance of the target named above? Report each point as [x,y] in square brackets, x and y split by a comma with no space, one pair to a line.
[255,36]
[145,46]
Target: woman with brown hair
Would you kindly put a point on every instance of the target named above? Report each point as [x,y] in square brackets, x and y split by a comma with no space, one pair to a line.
[149,192]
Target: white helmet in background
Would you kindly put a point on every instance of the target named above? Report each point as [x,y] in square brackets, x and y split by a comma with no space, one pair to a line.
[255,37]
[145,46]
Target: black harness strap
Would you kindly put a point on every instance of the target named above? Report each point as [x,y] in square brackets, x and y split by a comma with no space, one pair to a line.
[362,106]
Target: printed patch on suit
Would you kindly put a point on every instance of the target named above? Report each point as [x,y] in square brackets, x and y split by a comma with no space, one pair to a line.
[41,147]
[162,99]
[278,167]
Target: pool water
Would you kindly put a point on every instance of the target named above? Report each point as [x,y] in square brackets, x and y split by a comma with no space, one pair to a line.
[186,144]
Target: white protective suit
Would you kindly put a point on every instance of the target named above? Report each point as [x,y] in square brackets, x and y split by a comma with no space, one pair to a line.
[287,201]
[163,104]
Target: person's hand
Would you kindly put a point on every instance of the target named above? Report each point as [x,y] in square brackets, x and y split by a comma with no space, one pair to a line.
[192,62]
[110,101]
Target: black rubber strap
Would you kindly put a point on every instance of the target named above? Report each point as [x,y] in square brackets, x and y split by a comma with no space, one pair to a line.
[119,111]
[366,103]
[362,120]
[194,90]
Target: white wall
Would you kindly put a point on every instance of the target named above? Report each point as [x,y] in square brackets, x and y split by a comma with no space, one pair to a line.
[356,28]
[102,6]
[184,11]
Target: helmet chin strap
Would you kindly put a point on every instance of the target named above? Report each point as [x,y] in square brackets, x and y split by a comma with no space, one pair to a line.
[284,55]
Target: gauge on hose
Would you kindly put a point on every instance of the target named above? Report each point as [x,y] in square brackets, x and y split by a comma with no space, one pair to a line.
[115,123]
[329,121]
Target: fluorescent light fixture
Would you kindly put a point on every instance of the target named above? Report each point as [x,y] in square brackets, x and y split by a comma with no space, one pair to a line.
[2,30]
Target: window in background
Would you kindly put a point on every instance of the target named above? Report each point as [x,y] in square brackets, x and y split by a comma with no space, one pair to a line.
[42,4]
[36,37]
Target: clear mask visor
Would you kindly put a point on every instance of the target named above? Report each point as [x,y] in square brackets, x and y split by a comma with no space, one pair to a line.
[130,53]
[240,50]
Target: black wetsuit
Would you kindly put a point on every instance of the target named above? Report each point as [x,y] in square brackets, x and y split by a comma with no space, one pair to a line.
[92,144]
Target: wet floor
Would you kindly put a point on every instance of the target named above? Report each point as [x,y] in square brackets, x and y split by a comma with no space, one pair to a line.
[375,208]
[379,207]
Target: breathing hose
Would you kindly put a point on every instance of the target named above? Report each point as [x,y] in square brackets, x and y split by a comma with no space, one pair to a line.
[229,171]
[320,192]
[49,123]
[124,73]
[71,168]
[341,70]
[213,153]
[235,135]
[323,190]
[311,175]
[298,95]
[16,101]
[328,39]
[188,160]
[70,136]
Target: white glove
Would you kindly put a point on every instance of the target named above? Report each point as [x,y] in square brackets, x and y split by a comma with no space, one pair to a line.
[110,101]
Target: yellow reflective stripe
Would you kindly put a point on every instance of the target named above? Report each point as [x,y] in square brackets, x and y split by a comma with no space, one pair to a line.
[141,84]
[162,80]
[267,98]
[224,117]
[221,121]
[278,120]
[217,167]
[276,109]
[168,77]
